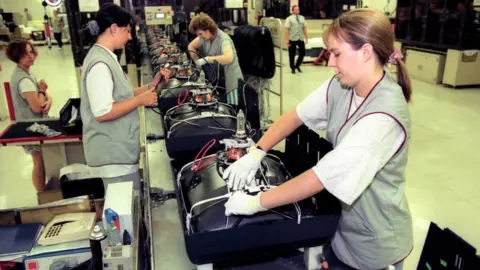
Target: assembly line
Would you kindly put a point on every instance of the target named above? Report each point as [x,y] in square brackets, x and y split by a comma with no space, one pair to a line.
[168,157]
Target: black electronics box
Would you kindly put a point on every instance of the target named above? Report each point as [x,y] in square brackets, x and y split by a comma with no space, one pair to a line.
[79,187]
[271,237]
[75,126]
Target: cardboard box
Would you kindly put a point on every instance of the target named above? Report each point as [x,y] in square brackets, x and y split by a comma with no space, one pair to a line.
[44,213]
[49,196]
[8,217]
[52,192]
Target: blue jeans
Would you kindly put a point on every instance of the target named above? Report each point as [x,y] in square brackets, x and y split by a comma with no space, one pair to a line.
[334,262]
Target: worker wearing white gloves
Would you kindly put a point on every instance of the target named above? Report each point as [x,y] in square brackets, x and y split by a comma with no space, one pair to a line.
[213,46]
[365,113]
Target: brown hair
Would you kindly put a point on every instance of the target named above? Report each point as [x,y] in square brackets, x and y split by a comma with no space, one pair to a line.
[362,26]
[17,49]
[202,22]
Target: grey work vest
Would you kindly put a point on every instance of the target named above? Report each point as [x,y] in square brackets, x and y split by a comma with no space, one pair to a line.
[112,142]
[376,230]
[21,108]
[232,71]
[295,31]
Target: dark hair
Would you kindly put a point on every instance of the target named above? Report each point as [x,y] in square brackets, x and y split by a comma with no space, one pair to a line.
[111,13]
[17,48]
[202,22]
[361,26]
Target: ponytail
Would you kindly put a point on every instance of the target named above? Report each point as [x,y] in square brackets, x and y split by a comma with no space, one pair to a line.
[404,80]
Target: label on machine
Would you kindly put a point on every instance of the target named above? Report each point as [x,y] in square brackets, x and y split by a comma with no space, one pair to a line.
[158,15]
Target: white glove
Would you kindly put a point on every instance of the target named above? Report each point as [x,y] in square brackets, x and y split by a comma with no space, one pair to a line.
[241,203]
[243,171]
[202,61]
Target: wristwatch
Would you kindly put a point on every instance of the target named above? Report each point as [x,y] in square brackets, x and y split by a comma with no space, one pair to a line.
[42,93]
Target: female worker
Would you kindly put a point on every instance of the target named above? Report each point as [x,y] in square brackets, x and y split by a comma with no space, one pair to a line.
[111,124]
[366,116]
[30,99]
[215,46]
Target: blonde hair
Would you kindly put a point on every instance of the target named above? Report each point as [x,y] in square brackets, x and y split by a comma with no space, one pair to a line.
[362,26]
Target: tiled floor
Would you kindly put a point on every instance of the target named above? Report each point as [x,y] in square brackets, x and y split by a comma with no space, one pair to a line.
[442,173]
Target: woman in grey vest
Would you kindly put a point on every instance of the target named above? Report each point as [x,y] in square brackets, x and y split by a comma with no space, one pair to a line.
[365,114]
[30,99]
[213,46]
[109,103]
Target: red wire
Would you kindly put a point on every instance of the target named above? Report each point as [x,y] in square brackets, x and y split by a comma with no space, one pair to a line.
[180,102]
[202,153]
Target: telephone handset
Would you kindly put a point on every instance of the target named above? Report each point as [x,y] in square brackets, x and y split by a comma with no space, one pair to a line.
[67,228]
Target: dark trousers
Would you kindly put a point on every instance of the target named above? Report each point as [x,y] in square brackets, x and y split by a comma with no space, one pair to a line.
[58,38]
[292,50]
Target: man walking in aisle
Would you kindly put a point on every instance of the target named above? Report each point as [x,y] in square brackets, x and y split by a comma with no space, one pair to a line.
[296,35]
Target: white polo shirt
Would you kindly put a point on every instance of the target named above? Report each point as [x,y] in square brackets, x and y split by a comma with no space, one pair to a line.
[368,146]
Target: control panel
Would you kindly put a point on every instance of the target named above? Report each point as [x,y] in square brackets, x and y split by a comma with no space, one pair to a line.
[158,15]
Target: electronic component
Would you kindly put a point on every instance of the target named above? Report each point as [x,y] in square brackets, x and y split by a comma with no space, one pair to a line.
[118,257]
[158,15]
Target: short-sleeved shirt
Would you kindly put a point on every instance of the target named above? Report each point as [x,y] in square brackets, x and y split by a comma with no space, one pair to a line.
[57,25]
[295,25]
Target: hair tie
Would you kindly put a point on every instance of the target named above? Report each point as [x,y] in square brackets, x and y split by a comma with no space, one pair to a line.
[395,56]
[93,28]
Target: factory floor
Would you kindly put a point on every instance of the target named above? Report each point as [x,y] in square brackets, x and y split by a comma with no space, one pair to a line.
[442,173]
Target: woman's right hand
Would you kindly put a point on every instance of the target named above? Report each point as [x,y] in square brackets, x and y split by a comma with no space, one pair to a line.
[148,98]
[42,85]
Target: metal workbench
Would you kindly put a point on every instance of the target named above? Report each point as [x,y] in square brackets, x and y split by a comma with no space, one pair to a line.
[167,243]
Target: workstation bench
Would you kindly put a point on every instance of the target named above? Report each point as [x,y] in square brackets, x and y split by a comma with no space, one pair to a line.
[57,152]
[169,249]
[67,149]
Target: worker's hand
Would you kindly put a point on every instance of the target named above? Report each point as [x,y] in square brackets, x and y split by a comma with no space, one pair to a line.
[242,172]
[306,40]
[148,98]
[163,74]
[201,62]
[287,42]
[241,203]
[47,106]
[42,85]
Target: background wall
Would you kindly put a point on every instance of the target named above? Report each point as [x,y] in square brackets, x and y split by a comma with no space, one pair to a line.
[382,5]
[34,7]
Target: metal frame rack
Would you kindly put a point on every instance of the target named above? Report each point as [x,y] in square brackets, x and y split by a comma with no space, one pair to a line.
[276,28]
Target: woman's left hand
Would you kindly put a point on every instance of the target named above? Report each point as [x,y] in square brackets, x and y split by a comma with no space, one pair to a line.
[162,74]
[47,106]
[241,203]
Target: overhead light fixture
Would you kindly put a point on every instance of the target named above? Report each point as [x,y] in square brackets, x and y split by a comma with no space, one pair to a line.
[54,3]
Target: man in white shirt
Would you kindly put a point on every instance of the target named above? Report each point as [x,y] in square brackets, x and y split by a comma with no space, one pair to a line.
[28,16]
[296,36]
